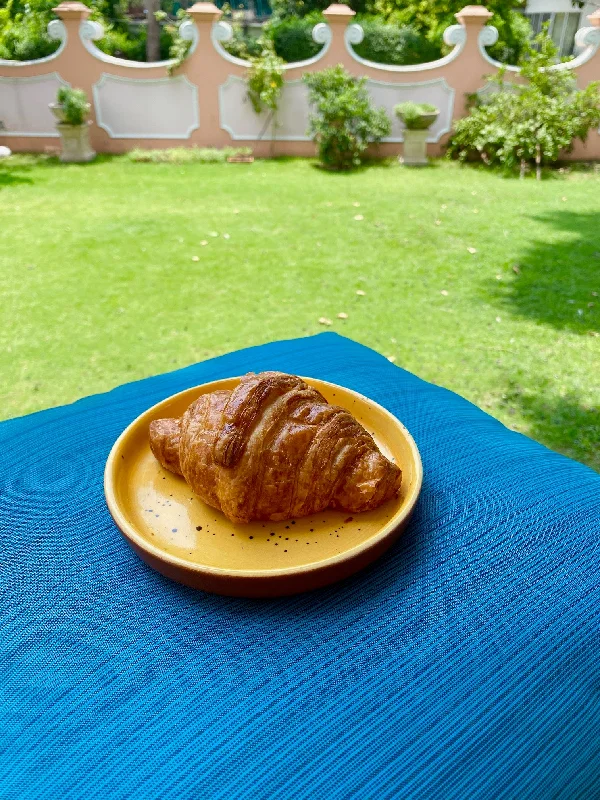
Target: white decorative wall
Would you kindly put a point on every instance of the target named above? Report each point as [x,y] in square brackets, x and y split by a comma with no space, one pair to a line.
[436,91]
[242,123]
[137,108]
[140,104]
[239,119]
[24,105]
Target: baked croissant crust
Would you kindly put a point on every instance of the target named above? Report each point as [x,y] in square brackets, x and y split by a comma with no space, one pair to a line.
[274,449]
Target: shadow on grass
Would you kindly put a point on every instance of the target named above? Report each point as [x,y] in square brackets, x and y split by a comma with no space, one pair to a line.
[17,168]
[561,423]
[554,172]
[371,164]
[555,280]
[9,175]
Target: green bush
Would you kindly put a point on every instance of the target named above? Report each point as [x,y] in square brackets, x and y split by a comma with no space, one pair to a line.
[382,43]
[292,37]
[416,116]
[343,121]
[430,19]
[23,34]
[132,46]
[394,44]
[520,124]
[74,103]
[186,155]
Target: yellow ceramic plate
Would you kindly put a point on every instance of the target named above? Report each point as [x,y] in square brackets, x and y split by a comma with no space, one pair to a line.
[173,531]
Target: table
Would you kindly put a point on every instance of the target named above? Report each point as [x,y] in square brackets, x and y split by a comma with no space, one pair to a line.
[463,664]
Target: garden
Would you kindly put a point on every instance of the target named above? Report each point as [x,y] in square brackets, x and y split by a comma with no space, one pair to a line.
[486,285]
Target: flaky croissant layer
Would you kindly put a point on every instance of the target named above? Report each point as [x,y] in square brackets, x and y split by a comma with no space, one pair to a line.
[274,449]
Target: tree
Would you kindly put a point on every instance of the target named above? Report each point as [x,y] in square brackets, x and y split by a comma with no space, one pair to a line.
[152,30]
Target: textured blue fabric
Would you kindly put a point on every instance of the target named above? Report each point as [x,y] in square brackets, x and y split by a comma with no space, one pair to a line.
[463,664]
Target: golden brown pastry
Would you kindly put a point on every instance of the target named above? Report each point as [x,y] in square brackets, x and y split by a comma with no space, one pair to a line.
[274,449]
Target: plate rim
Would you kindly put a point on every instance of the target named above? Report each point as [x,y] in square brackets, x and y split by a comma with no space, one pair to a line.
[130,533]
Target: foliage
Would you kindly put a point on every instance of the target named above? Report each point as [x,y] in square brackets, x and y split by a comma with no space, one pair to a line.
[432,18]
[123,43]
[283,9]
[186,155]
[75,105]
[514,35]
[243,44]
[343,121]
[425,20]
[517,124]
[24,36]
[394,44]
[178,48]
[415,116]
[292,37]
[383,43]
[265,78]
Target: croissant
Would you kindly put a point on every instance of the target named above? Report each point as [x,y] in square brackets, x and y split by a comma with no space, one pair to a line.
[274,449]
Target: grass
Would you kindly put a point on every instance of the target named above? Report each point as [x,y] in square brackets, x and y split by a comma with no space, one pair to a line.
[186,155]
[113,271]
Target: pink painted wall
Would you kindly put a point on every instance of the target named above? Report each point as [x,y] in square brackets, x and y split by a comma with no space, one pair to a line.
[207,69]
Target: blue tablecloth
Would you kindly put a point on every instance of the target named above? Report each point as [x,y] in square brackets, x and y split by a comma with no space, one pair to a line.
[463,664]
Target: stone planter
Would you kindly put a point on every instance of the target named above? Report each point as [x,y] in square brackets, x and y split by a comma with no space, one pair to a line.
[58,110]
[75,141]
[415,148]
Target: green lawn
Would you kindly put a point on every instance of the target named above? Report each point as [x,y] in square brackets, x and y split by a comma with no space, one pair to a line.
[100,284]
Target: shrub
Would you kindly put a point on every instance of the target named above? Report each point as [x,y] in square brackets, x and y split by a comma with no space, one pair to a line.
[430,19]
[518,124]
[343,121]
[186,155]
[416,116]
[75,105]
[124,44]
[23,36]
[292,37]
[394,44]
[382,43]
